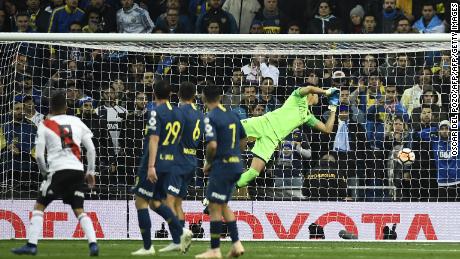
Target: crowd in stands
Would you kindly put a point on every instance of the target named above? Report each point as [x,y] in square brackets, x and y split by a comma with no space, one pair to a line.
[388,101]
[225,16]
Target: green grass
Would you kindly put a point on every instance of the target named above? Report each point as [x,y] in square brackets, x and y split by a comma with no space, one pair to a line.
[323,250]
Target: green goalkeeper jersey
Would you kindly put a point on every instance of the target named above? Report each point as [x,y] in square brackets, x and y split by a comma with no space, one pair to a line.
[294,113]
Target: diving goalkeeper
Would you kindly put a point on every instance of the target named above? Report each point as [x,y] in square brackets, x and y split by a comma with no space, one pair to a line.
[270,129]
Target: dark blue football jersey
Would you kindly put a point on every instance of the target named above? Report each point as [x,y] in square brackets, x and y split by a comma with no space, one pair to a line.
[224,127]
[165,121]
[192,134]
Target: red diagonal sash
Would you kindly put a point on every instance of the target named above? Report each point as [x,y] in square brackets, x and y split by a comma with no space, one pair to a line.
[68,141]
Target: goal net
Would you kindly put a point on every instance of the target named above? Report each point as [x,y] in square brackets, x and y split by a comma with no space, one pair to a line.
[394,95]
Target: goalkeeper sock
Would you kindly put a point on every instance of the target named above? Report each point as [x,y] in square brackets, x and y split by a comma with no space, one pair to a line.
[216,230]
[173,223]
[247,177]
[87,226]
[145,225]
[36,226]
[182,223]
[233,230]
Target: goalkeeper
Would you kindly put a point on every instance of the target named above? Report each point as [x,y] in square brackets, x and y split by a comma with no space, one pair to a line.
[268,130]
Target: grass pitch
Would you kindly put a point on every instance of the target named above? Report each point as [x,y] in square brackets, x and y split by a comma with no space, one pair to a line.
[343,250]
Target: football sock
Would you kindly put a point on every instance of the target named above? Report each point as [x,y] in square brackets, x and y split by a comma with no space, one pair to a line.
[216,230]
[233,229]
[36,227]
[145,225]
[87,226]
[173,223]
[247,177]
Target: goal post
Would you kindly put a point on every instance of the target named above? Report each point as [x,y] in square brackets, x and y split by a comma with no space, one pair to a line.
[395,88]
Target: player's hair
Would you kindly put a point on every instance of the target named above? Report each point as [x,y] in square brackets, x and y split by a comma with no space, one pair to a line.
[58,101]
[211,92]
[162,89]
[187,91]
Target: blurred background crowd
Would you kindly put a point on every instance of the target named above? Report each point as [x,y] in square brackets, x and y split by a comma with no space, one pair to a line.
[388,100]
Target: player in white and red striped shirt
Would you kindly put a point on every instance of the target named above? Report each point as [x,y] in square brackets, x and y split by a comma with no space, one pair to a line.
[62,135]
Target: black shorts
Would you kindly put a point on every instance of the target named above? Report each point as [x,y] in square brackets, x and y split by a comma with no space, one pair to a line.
[68,185]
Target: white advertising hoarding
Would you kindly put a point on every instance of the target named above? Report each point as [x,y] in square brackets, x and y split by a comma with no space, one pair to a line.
[257,220]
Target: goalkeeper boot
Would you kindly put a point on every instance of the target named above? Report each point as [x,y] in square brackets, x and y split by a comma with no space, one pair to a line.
[27,249]
[236,251]
[210,254]
[170,247]
[143,251]
[185,240]
[93,249]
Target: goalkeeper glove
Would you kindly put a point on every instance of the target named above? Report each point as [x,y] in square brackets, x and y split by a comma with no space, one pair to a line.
[332,91]
[334,98]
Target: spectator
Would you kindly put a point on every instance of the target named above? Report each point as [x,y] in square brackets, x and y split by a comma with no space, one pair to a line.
[256,28]
[247,101]
[404,72]
[5,22]
[266,96]
[62,17]
[258,69]
[289,165]
[368,66]
[390,14]
[213,27]
[24,87]
[369,24]
[132,136]
[215,12]
[54,4]
[22,23]
[325,182]
[397,136]
[21,64]
[429,22]
[136,70]
[330,64]
[133,19]
[211,68]
[356,19]
[74,94]
[76,27]
[430,97]
[101,137]
[232,96]
[39,18]
[94,23]
[114,114]
[448,174]
[348,143]
[243,12]
[403,26]
[108,23]
[323,19]
[379,113]
[411,97]
[173,22]
[426,118]
[294,27]
[296,76]
[258,109]
[30,111]
[197,8]
[181,71]
[17,151]
[271,17]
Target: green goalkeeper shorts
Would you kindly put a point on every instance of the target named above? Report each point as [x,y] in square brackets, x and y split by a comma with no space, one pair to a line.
[266,141]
